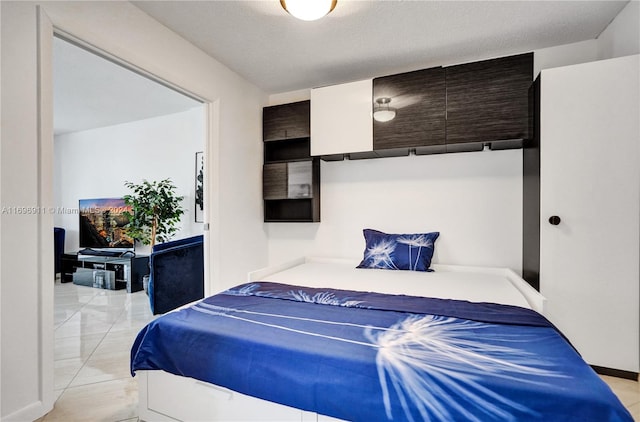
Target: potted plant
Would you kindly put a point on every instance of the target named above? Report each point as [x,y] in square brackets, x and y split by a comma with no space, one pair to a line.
[156,211]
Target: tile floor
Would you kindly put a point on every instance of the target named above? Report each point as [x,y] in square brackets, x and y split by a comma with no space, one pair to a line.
[94,330]
[628,392]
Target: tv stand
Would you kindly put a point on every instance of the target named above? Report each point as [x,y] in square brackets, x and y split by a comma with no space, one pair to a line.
[93,252]
[106,272]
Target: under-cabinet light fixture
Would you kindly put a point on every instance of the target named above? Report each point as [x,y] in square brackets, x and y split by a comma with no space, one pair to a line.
[308,10]
[382,112]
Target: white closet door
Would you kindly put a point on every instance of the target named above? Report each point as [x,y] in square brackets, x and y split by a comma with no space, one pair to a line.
[590,178]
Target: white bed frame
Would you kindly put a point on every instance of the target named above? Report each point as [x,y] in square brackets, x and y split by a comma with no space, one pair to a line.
[167,397]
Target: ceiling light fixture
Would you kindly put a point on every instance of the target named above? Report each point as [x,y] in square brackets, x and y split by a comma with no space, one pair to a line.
[308,10]
[382,112]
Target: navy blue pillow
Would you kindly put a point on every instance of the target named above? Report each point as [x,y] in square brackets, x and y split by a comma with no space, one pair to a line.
[411,252]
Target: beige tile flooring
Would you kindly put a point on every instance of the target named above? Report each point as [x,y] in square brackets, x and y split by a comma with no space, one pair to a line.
[94,330]
[628,392]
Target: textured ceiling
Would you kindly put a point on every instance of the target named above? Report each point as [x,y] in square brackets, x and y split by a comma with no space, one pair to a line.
[362,39]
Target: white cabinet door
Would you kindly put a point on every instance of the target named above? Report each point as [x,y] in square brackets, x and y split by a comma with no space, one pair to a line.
[590,178]
[341,119]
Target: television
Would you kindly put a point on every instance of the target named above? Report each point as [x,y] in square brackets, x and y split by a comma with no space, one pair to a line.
[102,224]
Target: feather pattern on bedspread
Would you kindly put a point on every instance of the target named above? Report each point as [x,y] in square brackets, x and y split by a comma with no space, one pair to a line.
[397,357]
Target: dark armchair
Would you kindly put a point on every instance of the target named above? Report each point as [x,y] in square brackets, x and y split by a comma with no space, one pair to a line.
[176,274]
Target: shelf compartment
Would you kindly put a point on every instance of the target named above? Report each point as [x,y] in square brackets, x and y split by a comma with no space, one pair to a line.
[290,210]
[287,150]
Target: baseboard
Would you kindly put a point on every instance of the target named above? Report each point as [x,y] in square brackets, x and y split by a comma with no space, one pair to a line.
[618,373]
[28,413]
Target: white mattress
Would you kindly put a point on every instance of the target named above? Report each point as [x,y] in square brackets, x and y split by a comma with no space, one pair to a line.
[447,282]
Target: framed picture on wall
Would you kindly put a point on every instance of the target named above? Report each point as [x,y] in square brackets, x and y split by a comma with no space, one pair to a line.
[199,214]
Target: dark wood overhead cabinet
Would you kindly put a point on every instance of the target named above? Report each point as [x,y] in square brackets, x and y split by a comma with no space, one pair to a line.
[419,98]
[488,101]
[457,108]
[286,121]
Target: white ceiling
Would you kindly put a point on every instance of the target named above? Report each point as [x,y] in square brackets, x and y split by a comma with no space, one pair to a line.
[91,92]
[363,39]
[278,53]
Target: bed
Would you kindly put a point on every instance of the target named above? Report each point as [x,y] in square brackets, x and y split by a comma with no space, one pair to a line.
[317,339]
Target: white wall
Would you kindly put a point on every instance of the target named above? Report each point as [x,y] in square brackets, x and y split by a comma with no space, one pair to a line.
[473,199]
[564,55]
[622,36]
[96,163]
[20,319]
[234,173]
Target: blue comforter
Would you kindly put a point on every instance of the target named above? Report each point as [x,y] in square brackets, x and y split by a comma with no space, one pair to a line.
[368,357]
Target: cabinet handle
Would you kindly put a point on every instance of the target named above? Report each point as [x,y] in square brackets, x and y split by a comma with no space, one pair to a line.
[554,220]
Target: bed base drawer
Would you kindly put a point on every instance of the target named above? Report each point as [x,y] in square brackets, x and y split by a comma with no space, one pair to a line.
[167,397]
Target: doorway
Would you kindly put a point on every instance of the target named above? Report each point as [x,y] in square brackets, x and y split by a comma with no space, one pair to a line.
[92,159]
